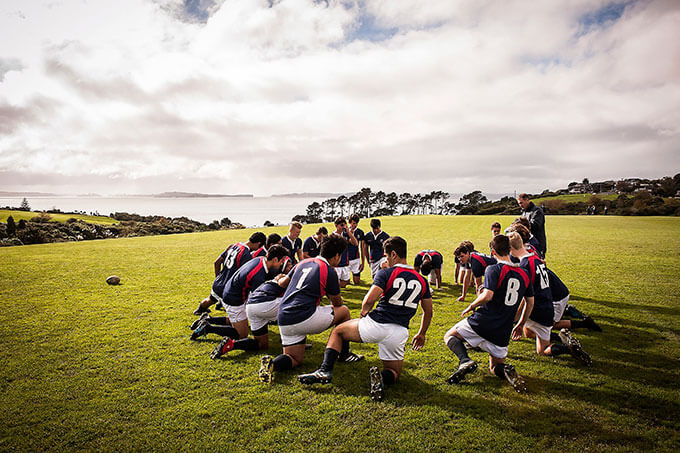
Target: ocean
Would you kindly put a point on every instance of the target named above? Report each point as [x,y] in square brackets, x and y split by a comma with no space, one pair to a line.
[251,212]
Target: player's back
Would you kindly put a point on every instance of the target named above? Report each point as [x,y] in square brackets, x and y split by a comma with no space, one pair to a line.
[479,262]
[403,289]
[310,280]
[266,292]
[249,276]
[543,311]
[375,245]
[234,256]
[493,320]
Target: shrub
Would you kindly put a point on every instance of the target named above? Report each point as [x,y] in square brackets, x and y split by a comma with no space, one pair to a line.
[11,227]
[43,217]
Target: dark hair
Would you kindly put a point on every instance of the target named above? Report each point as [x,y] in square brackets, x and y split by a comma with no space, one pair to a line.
[396,244]
[322,230]
[522,231]
[501,244]
[470,246]
[333,245]
[523,221]
[340,220]
[375,223]
[426,268]
[354,218]
[276,251]
[272,239]
[523,196]
[495,225]
[461,250]
[258,237]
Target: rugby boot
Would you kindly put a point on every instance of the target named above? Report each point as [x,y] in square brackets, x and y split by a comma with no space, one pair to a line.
[200,330]
[317,377]
[377,386]
[226,345]
[514,379]
[266,373]
[204,317]
[575,348]
[464,368]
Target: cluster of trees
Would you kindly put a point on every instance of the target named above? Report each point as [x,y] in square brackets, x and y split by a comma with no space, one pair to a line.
[40,229]
[641,204]
[662,187]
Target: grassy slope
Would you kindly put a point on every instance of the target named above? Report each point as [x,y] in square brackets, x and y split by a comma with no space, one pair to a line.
[88,366]
[28,215]
[574,197]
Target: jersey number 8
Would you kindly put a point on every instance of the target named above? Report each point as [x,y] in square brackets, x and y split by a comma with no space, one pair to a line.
[401,285]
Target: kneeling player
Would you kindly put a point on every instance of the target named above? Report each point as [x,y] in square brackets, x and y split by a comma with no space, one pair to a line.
[429,263]
[262,308]
[490,327]
[300,313]
[401,288]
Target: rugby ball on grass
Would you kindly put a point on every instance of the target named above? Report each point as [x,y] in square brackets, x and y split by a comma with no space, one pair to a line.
[113,280]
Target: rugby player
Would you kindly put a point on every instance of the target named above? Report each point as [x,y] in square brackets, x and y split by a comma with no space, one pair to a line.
[355,252]
[236,292]
[293,242]
[490,326]
[399,289]
[477,263]
[373,246]
[342,269]
[430,263]
[300,313]
[310,248]
[272,239]
[235,256]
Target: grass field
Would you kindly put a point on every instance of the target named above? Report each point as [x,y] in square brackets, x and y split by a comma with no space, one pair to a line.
[86,366]
[574,198]
[28,215]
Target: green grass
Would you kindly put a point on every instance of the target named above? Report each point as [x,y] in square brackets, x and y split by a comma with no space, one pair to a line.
[28,215]
[574,198]
[86,366]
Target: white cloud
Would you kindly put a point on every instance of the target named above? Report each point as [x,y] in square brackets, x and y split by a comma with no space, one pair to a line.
[466,95]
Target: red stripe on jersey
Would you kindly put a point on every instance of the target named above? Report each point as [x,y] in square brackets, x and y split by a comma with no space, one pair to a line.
[242,250]
[421,279]
[250,276]
[504,272]
[479,258]
[523,274]
[395,272]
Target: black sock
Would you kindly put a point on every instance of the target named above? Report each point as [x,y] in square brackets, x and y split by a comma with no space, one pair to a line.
[555,338]
[329,358]
[246,344]
[578,324]
[283,362]
[456,345]
[499,370]
[219,320]
[388,377]
[344,352]
[223,331]
[558,349]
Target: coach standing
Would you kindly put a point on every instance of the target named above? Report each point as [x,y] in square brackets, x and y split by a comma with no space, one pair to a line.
[535,216]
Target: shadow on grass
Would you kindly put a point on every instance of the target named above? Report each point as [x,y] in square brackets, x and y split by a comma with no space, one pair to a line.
[672,311]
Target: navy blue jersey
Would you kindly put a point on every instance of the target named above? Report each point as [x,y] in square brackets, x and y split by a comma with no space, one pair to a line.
[479,263]
[248,277]
[344,257]
[292,246]
[353,250]
[310,280]
[435,258]
[493,320]
[266,292]
[375,245]
[259,252]
[543,311]
[557,287]
[235,256]
[403,288]
[311,247]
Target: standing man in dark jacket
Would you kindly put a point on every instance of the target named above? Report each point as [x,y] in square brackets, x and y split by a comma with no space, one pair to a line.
[537,219]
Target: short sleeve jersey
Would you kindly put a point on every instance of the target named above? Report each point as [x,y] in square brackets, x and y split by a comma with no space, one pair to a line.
[248,277]
[310,280]
[557,287]
[479,263]
[375,245]
[344,257]
[353,250]
[493,321]
[435,257]
[311,247]
[235,256]
[543,311]
[259,252]
[292,246]
[266,292]
[403,289]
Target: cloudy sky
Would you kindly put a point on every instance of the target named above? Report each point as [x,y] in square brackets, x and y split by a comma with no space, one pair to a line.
[267,96]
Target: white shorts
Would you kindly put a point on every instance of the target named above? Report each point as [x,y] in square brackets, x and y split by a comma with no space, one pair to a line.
[343,273]
[236,313]
[259,315]
[559,307]
[465,330]
[391,338]
[541,331]
[375,267]
[321,320]
[354,266]
[216,297]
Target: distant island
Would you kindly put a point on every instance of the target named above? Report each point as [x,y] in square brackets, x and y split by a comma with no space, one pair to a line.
[198,195]
[307,195]
[25,194]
